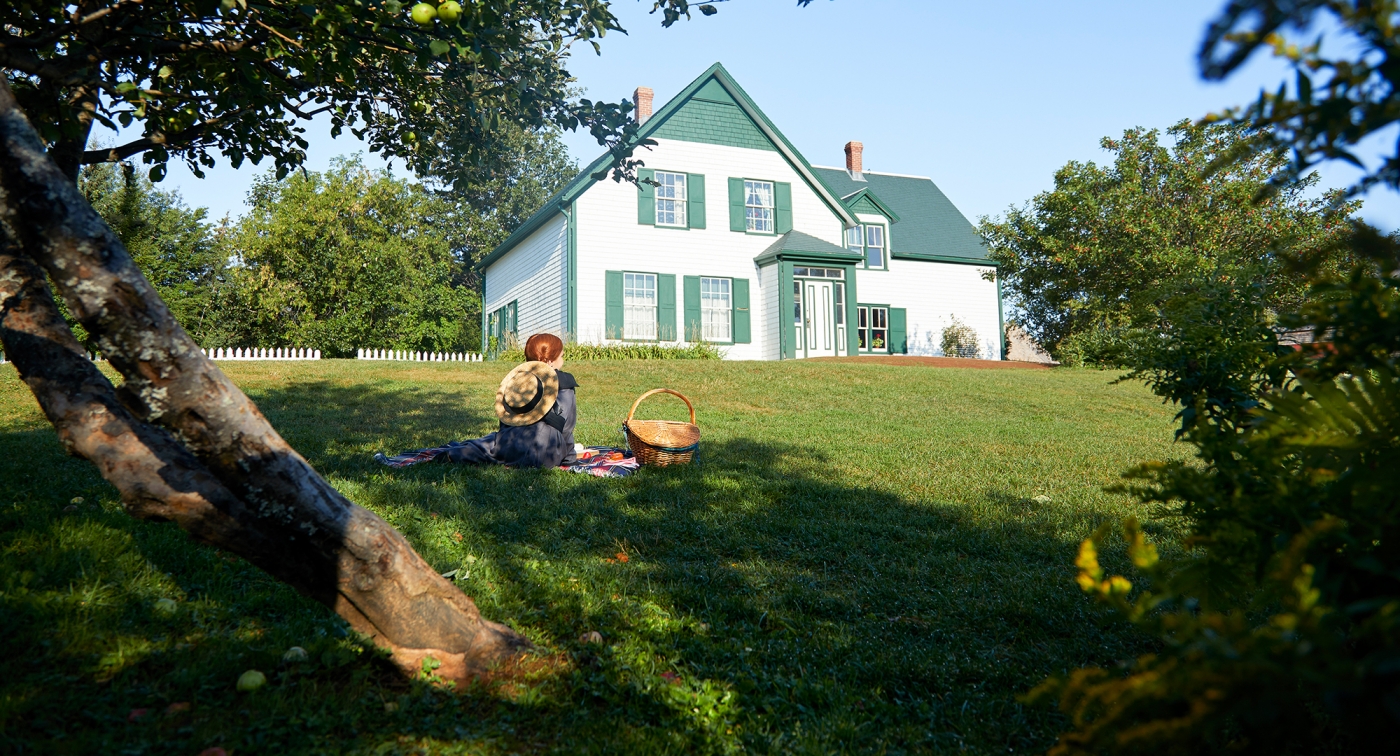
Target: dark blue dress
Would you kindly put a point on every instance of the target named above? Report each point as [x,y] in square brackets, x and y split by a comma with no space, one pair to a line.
[546,443]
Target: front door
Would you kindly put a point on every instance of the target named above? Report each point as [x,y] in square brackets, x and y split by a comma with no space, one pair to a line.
[818,325]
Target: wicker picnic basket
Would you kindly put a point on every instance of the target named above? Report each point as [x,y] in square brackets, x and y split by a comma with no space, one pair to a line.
[662,442]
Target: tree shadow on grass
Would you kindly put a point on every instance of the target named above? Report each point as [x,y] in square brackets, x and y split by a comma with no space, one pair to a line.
[765,604]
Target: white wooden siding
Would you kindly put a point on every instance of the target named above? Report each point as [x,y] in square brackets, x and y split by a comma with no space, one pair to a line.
[767,316]
[932,292]
[534,274]
[610,238]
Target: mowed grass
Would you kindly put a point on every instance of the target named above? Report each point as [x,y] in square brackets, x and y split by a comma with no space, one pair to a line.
[858,564]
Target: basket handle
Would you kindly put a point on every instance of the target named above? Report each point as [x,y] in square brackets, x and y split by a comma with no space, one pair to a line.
[662,391]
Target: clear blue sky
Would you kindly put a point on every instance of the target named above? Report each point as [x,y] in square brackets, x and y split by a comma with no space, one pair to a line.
[988,99]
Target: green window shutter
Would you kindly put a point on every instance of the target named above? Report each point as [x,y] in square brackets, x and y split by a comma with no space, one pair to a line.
[665,307]
[736,205]
[782,215]
[742,330]
[695,200]
[899,343]
[515,319]
[612,321]
[646,197]
[692,308]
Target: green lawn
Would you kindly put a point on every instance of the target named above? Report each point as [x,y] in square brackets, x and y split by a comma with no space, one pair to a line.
[858,564]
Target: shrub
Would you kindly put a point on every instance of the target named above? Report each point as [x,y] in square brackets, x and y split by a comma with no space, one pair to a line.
[1280,622]
[960,340]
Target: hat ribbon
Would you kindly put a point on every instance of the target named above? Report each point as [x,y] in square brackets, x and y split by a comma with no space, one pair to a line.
[530,405]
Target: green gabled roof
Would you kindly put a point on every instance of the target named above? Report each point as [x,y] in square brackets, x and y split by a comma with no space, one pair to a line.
[866,201]
[929,227]
[797,244]
[715,87]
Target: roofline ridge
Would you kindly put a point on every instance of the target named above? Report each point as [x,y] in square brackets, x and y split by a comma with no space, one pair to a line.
[877,173]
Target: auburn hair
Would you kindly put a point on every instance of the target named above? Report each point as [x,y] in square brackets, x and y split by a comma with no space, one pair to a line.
[544,347]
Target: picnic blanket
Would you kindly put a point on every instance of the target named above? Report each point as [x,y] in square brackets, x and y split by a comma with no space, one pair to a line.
[598,461]
[604,462]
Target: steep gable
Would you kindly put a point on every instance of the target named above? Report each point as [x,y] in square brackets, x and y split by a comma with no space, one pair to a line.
[712,109]
[712,116]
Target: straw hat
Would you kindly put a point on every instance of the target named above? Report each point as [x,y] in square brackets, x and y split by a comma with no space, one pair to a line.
[527,393]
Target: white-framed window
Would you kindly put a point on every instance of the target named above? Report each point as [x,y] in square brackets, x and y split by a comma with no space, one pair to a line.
[758,206]
[872,328]
[806,272]
[855,239]
[670,199]
[874,246]
[716,310]
[639,306]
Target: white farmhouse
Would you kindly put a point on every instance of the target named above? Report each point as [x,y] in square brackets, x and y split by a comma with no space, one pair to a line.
[742,243]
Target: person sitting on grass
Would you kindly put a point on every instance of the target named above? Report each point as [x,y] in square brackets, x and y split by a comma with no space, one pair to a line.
[538,411]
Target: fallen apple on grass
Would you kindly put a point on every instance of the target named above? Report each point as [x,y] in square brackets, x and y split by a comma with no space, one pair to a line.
[251,680]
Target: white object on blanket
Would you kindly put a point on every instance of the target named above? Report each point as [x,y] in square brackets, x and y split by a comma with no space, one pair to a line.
[579,449]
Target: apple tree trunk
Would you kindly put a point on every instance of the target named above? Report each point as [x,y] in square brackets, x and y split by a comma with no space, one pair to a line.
[181,442]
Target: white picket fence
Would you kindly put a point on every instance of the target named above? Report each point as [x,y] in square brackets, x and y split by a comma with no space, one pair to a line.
[285,353]
[91,356]
[402,356]
[263,353]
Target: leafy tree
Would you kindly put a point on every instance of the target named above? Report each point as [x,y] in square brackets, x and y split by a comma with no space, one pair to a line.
[1280,622]
[238,76]
[172,244]
[1094,259]
[348,258]
[483,214]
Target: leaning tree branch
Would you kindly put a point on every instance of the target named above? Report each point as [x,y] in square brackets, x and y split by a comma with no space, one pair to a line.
[158,479]
[379,583]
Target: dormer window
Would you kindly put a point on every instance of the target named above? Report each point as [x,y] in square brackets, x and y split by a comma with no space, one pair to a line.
[874,246]
[670,199]
[868,240]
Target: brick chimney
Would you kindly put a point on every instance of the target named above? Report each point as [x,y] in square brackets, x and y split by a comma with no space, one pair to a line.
[642,97]
[853,150]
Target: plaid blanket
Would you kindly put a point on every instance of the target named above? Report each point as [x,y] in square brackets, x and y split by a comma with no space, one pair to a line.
[604,462]
[598,461]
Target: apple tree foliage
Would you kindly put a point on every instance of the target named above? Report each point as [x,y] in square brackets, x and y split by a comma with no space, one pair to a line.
[1278,613]
[1091,262]
[239,78]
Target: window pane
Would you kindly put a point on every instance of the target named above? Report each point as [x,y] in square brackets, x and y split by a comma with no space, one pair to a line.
[877,339]
[875,236]
[670,199]
[879,317]
[797,302]
[758,201]
[838,298]
[853,239]
[716,310]
[639,306]
[874,257]
[800,272]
